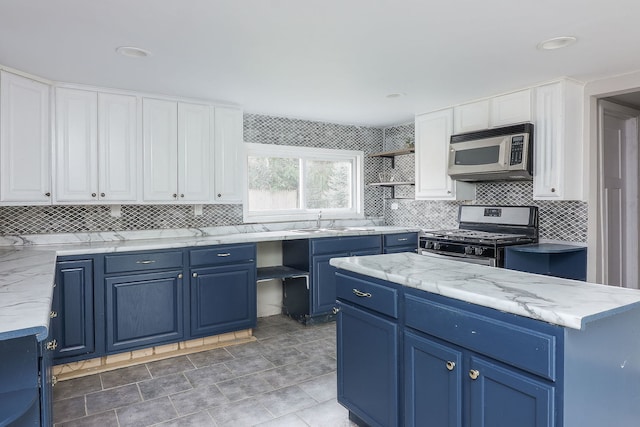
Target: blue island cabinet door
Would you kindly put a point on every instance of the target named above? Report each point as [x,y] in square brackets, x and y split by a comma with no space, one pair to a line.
[367,349]
[223,299]
[72,320]
[501,397]
[143,310]
[433,383]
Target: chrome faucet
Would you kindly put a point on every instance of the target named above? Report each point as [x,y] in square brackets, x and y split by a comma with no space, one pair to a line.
[319,218]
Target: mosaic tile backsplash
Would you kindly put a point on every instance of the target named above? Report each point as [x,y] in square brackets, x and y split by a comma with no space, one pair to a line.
[558,220]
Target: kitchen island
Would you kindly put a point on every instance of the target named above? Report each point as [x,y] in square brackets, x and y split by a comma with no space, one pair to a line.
[460,344]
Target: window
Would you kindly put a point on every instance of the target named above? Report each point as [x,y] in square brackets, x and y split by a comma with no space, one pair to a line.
[295,183]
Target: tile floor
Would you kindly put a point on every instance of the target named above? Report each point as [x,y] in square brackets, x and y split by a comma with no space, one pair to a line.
[287,378]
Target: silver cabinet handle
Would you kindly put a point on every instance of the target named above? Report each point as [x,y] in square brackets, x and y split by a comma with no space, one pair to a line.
[361,294]
[145,261]
[224,254]
[404,239]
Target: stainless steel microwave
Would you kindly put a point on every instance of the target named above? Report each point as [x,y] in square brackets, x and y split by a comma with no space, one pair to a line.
[504,153]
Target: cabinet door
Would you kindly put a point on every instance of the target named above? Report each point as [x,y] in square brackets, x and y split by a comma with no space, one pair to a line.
[72,320]
[501,397]
[323,284]
[432,383]
[76,145]
[24,141]
[228,155]
[143,310]
[160,144]
[470,117]
[195,159]
[548,152]
[433,132]
[223,299]
[511,108]
[367,352]
[117,148]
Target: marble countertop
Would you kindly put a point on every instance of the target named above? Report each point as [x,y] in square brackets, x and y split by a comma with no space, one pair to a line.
[26,291]
[569,303]
[27,263]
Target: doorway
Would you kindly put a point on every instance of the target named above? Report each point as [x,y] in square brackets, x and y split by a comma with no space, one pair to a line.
[618,164]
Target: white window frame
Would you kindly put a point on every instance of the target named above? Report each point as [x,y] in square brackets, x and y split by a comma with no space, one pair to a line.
[306,153]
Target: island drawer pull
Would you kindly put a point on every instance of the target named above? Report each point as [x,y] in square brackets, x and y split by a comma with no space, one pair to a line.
[224,254]
[361,294]
[145,261]
[403,239]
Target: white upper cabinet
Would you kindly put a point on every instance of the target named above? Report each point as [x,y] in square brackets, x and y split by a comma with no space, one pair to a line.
[178,158]
[119,174]
[194,152]
[228,154]
[25,172]
[558,151]
[433,131]
[470,117]
[511,108]
[498,111]
[96,147]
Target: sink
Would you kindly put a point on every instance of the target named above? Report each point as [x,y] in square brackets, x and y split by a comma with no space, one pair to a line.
[335,229]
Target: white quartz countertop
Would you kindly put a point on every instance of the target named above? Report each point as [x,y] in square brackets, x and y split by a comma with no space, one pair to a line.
[569,303]
[27,264]
[26,290]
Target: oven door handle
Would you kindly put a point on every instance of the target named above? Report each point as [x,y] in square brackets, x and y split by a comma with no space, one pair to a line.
[491,262]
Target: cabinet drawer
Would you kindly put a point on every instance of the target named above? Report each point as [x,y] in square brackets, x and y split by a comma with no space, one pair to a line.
[344,244]
[142,261]
[401,239]
[223,254]
[368,294]
[524,348]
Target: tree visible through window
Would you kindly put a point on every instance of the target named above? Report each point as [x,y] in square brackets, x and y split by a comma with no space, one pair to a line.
[297,182]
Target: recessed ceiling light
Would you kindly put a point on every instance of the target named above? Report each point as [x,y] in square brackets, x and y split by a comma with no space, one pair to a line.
[395,95]
[557,43]
[133,52]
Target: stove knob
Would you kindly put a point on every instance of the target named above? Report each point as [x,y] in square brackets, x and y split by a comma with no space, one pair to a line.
[428,245]
[468,250]
[479,251]
[436,246]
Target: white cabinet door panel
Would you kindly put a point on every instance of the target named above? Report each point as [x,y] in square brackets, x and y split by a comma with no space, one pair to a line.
[433,132]
[24,141]
[118,149]
[470,117]
[76,145]
[228,155]
[511,108]
[195,160]
[160,134]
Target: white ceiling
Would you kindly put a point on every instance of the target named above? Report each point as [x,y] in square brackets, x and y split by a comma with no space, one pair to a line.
[328,60]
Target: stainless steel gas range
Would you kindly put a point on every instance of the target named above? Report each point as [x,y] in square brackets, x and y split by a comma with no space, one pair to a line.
[483,233]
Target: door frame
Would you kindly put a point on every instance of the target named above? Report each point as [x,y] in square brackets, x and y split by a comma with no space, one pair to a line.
[594,90]
[631,118]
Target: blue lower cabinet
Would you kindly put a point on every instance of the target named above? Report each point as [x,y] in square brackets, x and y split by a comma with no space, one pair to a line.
[502,397]
[72,315]
[367,352]
[143,310]
[433,375]
[323,291]
[223,299]
[566,261]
